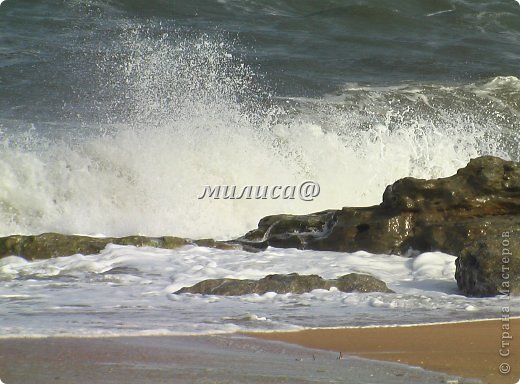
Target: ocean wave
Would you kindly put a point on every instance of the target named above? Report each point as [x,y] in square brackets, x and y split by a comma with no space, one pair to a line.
[186,112]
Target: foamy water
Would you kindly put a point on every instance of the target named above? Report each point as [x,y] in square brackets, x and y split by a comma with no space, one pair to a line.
[130,291]
[183,114]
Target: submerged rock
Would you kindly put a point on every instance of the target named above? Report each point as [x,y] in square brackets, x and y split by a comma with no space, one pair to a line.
[291,283]
[49,245]
[464,215]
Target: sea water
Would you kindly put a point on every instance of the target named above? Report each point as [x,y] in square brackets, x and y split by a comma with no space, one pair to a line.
[115,115]
[131,291]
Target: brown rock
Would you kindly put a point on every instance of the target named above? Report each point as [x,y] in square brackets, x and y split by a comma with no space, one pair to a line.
[463,215]
[49,245]
[291,283]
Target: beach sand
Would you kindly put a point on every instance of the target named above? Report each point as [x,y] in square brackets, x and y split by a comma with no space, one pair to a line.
[468,349]
[191,359]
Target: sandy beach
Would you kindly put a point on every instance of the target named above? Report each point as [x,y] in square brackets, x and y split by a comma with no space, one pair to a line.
[468,349]
[230,358]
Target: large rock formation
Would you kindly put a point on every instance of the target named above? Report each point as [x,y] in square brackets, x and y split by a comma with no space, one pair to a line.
[464,215]
[291,283]
[474,214]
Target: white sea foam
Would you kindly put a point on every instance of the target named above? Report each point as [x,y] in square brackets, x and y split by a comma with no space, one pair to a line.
[131,291]
[186,114]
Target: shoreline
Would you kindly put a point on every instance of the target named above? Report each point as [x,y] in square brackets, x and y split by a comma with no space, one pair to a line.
[152,334]
[224,333]
[458,352]
[468,349]
[229,358]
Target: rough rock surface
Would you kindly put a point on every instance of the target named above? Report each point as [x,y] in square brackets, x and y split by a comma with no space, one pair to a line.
[491,265]
[463,215]
[49,245]
[291,283]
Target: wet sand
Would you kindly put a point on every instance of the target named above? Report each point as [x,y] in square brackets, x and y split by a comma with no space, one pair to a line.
[469,349]
[191,359]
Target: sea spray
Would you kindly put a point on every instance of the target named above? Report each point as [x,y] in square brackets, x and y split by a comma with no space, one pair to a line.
[181,111]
